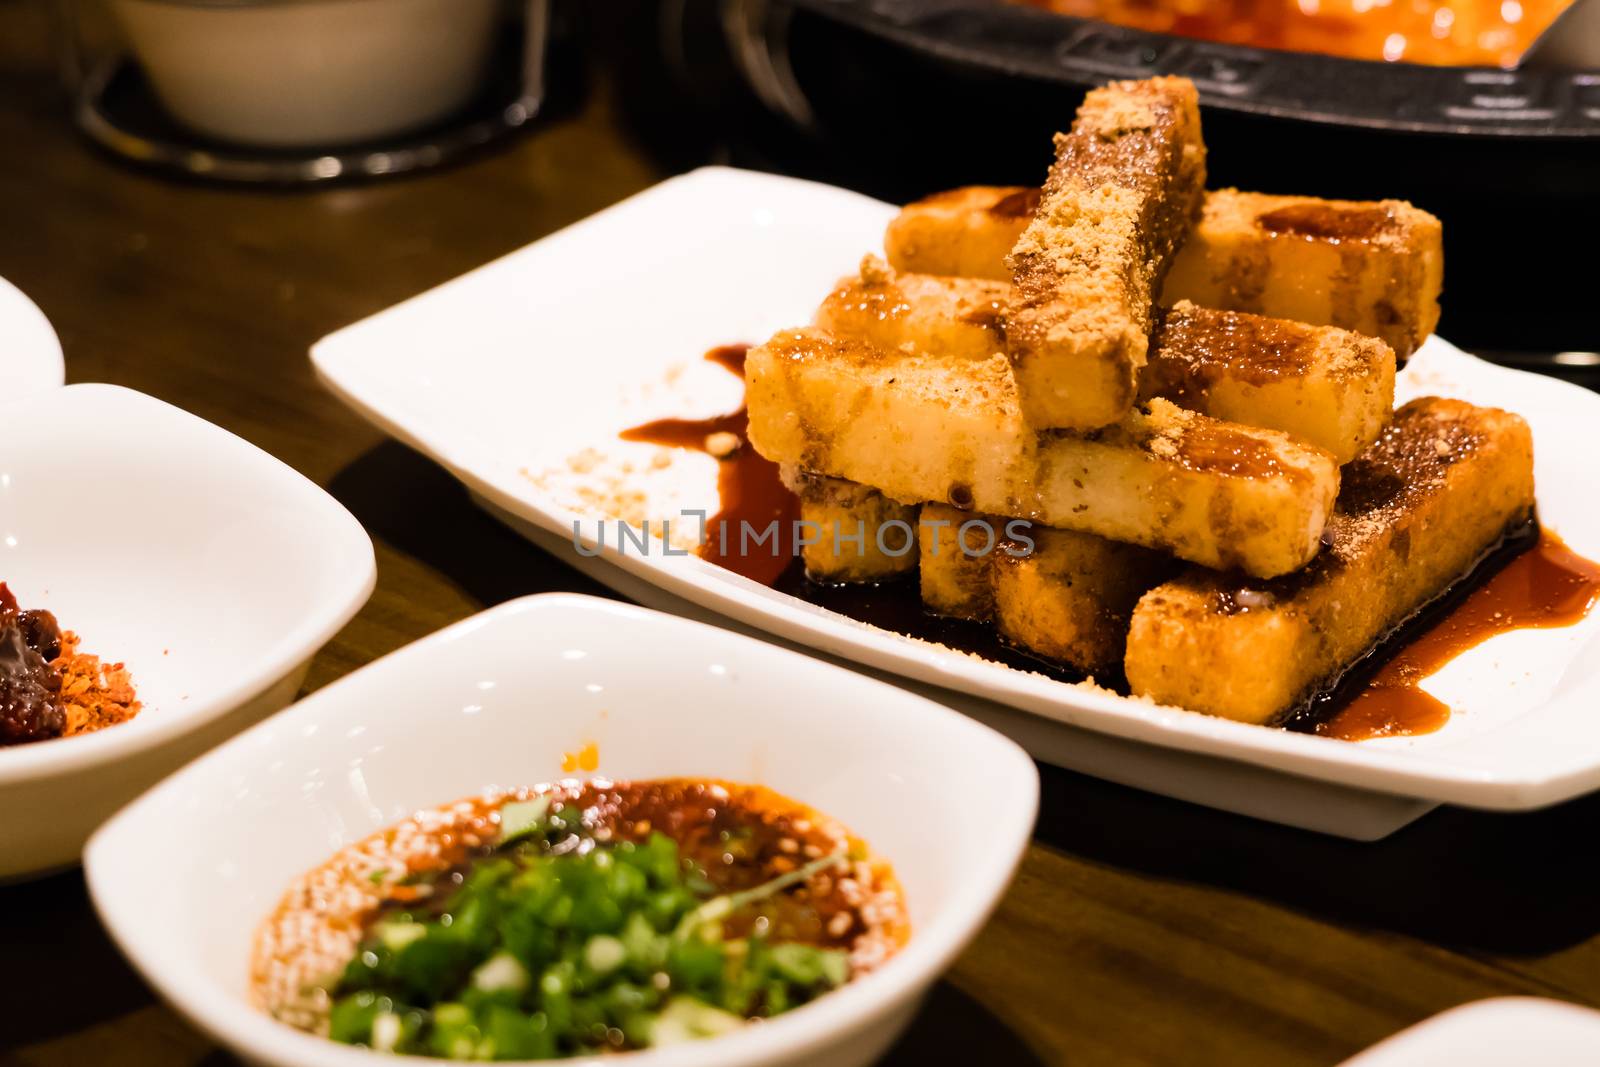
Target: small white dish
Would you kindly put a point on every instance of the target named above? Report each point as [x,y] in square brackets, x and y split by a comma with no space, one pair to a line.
[214,571]
[1493,1033]
[185,875]
[512,372]
[30,352]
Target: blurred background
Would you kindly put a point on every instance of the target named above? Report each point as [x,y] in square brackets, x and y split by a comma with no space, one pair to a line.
[1464,107]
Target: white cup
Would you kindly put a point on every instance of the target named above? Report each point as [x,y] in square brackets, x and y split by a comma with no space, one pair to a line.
[293,73]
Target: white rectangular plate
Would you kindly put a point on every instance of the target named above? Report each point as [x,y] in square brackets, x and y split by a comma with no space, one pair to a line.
[518,376]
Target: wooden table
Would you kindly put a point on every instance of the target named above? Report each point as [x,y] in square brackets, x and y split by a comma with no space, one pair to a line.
[1139,930]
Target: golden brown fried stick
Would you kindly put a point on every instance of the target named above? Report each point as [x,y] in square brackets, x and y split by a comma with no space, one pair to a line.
[1327,386]
[1375,267]
[965,233]
[846,530]
[1070,599]
[957,550]
[1061,595]
[1417,510]
[921,428]
[959,318]
[1331,387]
[1120,199]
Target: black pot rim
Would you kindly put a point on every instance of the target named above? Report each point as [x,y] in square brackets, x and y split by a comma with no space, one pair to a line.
[1025,42]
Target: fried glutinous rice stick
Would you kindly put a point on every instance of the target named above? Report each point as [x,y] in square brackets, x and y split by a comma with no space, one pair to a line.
[961,318]
[1330,387]
[919,428]
[851,532]
[1062,595]
[1059,594]
[955,565]
[1333,388]
[1119,200]
[967,232]
[1375,267]
[1416,511]
[1071,598]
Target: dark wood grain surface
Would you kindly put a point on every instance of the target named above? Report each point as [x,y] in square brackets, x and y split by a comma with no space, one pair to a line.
[1139,930]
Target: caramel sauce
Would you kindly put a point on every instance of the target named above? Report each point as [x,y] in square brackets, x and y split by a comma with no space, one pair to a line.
[1250,348]
[751,494]
[730,358]
[1019,204]
[990,316]
[1435,32]
[1327,222]
[1545,585]
[1215,447]
[880,299]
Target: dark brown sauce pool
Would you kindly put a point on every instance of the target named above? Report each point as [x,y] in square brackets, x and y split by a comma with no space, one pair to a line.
[751,493]
[897,606]
[1531,580]
[1534,581]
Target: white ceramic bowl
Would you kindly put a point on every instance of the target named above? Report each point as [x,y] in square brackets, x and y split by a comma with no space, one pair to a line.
[1493,1033]
[310,72]
[184,876]
[213,570]
[30,352]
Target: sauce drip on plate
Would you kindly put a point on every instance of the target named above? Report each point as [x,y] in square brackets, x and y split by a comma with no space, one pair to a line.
[1547,585]
[752,494]
[896,606]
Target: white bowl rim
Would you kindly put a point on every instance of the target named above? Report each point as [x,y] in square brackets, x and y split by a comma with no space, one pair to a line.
[36,340]
[343,535]
[930,951]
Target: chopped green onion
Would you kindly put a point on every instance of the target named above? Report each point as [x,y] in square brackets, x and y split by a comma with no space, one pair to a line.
[386,1030]
[553,951]
[522,818]
[723,906]
[687,1019]
[397,935]
[604,954]
[501,973]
